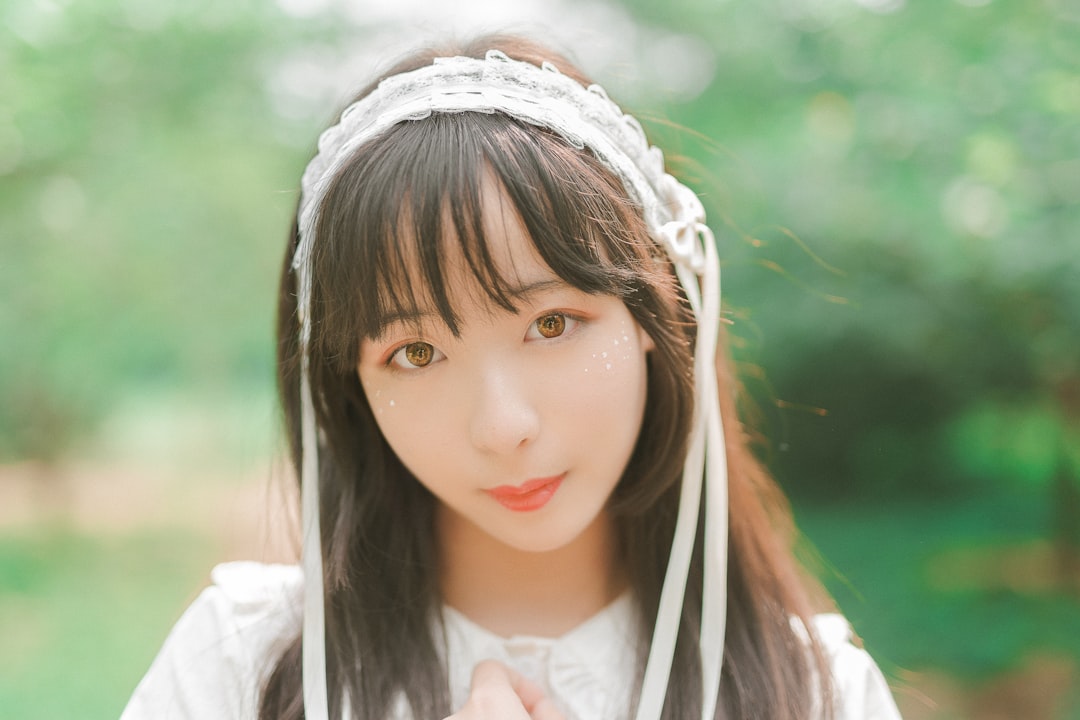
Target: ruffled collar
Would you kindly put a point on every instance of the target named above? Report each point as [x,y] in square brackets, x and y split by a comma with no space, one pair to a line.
[588,672]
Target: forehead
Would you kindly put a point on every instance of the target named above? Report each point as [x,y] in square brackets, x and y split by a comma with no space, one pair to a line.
[488,266]
[513,254]
[454,208]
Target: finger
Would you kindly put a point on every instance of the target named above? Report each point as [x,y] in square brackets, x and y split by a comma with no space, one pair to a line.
[492,694]
[545,710]
[529,692]
[491,675]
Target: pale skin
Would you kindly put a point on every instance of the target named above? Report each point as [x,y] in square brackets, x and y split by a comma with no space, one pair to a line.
[554,390]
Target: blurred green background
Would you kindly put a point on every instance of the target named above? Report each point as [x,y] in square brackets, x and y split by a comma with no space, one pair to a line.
[896,191]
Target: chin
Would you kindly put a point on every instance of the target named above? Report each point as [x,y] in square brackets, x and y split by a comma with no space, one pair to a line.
[545,537]
[540,545]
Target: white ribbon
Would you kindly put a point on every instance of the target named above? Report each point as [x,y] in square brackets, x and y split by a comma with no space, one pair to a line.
[706,462]
[314,632]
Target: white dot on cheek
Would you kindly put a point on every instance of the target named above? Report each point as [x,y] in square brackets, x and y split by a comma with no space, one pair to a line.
[607,366]
[391,403]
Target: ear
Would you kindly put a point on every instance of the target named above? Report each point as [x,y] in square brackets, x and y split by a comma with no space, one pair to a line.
[647,343]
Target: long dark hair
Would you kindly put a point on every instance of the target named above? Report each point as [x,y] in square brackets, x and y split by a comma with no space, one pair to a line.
[389,208]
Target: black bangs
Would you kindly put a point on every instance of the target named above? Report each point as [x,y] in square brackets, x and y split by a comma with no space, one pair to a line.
[411,196]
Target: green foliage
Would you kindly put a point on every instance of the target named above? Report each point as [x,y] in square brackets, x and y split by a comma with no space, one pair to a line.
[897,198]
[930,152]
[924,584]
[900,204]
[83,616]
[145,199]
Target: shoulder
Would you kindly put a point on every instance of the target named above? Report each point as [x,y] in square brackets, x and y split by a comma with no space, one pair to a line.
[218,654]
[860,689]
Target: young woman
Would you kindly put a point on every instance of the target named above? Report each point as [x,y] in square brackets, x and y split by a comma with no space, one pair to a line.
[526,491]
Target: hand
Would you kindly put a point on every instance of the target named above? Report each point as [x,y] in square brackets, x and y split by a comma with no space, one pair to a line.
[499,693]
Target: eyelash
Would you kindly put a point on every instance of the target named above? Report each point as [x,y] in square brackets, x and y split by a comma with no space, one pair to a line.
[409,367]
[571,321]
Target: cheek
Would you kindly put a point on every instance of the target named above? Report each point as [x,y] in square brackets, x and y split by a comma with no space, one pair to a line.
[617,355]
[380,404]
[607,379]
[409,420]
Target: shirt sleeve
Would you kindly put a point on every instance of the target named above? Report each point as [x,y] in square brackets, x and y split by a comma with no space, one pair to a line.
[215,660]
[859,687]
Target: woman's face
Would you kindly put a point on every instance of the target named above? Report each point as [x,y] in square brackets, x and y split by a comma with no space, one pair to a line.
[522,424]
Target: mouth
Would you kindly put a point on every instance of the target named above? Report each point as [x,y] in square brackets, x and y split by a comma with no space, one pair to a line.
[529,496]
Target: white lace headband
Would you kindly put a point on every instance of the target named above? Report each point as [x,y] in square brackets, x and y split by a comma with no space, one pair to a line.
[587,119]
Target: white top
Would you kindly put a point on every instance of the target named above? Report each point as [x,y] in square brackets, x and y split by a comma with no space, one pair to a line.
[222,650]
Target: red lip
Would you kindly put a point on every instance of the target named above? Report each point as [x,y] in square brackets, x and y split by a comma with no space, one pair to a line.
[528,496]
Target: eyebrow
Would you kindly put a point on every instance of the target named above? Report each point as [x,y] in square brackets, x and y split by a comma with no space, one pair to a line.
[521,292]
[534,288]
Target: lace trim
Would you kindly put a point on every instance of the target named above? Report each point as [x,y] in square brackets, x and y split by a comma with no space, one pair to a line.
[542,96]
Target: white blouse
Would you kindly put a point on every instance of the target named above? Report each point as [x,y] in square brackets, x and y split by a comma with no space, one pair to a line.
[218,656]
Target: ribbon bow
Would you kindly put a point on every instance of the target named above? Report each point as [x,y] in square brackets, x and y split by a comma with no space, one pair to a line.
[686,234]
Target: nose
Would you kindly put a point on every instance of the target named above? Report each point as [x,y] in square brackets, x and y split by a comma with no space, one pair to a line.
[503,418]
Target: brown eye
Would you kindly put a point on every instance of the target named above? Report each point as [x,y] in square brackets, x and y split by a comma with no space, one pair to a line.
[419,354]
[551,326]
